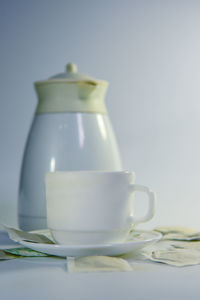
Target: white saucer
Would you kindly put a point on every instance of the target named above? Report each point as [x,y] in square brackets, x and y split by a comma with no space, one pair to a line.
[136,241]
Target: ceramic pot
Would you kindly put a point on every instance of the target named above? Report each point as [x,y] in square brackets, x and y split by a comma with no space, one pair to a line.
[71,130]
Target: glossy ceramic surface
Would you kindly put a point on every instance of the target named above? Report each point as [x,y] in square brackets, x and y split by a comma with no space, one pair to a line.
[62,141]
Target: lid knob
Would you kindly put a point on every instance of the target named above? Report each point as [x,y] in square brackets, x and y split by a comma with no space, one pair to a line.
[71,68]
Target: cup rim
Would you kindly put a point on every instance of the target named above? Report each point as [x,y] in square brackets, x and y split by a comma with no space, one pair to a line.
[96,172]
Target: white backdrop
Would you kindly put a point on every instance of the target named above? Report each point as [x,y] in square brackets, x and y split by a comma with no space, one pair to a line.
[149,51]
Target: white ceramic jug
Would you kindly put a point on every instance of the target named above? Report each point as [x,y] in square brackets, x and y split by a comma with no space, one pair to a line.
[70,131]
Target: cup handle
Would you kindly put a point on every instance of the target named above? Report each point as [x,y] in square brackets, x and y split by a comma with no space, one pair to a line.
[152,203]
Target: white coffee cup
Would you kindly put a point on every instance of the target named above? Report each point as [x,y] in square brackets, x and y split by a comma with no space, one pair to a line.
[93,207]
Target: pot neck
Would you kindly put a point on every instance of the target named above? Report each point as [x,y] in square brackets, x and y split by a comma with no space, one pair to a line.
[83,96]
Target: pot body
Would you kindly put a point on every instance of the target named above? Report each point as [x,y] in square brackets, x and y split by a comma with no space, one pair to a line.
[62,142]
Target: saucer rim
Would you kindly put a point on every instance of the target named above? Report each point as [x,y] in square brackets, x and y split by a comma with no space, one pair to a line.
[157,236]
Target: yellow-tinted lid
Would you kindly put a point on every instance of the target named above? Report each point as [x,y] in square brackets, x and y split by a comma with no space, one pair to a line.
[71,75]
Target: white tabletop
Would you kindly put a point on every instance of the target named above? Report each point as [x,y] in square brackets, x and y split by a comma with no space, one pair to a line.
[48,278]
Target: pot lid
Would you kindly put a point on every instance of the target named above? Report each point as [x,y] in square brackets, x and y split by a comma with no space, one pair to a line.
[71,75]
